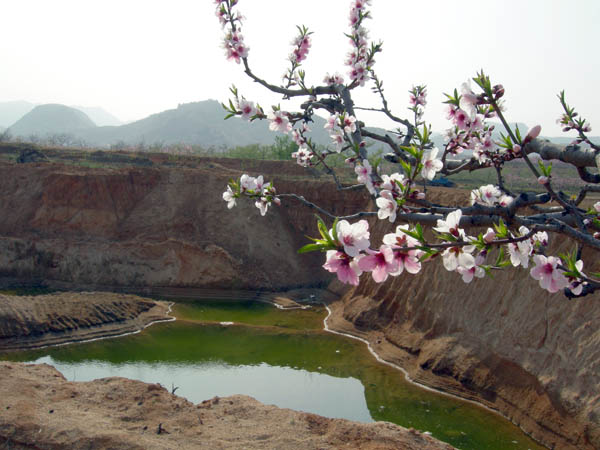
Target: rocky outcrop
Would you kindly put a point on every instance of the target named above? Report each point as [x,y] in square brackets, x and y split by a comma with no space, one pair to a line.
[40,409]
[109,228]
[505,342]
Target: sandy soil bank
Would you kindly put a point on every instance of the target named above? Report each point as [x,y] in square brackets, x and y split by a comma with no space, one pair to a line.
[40,409]
[37,321]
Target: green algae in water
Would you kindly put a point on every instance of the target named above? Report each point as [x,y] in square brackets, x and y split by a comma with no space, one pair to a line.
[252,313]
[309,369]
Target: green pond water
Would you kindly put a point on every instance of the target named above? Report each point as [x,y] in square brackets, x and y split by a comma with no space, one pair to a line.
[282,358]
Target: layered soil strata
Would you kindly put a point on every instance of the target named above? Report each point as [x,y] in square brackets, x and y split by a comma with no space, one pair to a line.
[502,341]
[162,227]
[40,409]
[37,321]
[115,228]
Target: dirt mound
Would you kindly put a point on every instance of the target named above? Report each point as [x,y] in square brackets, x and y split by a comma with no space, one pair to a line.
[29,322]
[40,409]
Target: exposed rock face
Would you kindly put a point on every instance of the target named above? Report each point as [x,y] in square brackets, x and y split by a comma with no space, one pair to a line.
[503,341]
[40,409]
[104,228]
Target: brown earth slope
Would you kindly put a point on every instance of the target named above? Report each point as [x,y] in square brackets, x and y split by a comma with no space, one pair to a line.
[40,409]
[505,342]
[71,227]
[29,322]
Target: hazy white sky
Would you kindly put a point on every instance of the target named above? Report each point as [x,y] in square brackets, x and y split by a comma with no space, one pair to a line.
[138,57]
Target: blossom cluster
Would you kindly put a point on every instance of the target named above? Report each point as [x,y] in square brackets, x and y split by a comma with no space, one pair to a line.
[352,254]
[279,121]
[248,109]
[418,101]
[301,45]
[568,122]
[233,42]
[348,248]
[359,59]
[469,131]
[339,126]
[304,154]
[490,195]
[332,80]
[263,193]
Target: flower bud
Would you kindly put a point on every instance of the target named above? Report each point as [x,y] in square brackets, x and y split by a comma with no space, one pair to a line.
[498,91]
[533,133]
[489,236]
[543,180]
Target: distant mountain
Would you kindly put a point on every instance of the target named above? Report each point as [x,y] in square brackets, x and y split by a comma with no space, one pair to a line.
[199,123]
[10,112]
[99,116]
[51,119]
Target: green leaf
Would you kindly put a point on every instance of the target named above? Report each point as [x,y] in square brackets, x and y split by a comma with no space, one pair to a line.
[487,270]
[501,230]
[518,133]
[427,255]
[311,248]
[334,229]
[324,231]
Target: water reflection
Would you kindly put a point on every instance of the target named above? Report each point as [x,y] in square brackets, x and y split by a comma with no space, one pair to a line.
[281,386]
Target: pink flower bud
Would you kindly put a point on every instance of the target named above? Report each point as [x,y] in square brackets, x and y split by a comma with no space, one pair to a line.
[543,180]
[534,132]
[277,201]
[421,195]
[597,207]
[516,149]
[489,236]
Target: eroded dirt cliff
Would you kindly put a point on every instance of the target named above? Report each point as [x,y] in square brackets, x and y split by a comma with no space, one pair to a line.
[124,227]
[505,342]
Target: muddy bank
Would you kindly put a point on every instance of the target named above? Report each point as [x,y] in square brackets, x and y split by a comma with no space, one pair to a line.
[37,321]
[40,409]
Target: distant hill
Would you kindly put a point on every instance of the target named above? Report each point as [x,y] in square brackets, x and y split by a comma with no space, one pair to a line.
[99,116]
[198,123]
[51,119]
[10,112]
[191,123]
